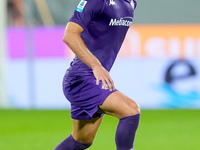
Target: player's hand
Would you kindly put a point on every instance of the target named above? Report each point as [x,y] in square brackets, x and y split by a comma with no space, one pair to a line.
[101,74]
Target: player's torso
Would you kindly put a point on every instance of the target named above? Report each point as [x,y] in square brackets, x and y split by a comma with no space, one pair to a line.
[116,15]
[106,31]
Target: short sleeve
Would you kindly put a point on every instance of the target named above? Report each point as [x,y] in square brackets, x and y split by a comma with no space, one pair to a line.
[134,4]
[86,11]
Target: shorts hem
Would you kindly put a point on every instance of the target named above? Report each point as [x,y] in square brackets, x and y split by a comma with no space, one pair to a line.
[93,113]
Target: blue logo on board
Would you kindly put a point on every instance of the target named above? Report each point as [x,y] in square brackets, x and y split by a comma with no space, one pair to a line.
[180,88]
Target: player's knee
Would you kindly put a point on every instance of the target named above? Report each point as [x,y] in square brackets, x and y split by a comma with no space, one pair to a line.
[134,108]
[137,108]
[129,108]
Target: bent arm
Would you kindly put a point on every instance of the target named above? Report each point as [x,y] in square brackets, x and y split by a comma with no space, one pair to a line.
[73,39]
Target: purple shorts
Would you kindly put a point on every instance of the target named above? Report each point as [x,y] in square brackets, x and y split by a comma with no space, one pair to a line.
[84,95]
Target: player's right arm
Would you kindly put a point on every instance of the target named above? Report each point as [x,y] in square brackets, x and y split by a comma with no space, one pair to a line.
[73,39]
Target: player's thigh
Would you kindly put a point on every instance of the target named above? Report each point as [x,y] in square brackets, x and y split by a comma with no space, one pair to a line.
[85,130]
[119,105]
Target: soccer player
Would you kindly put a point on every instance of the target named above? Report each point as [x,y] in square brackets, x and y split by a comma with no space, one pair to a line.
[95,33]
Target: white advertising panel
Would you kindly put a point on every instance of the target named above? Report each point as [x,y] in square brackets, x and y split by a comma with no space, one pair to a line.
[158,66]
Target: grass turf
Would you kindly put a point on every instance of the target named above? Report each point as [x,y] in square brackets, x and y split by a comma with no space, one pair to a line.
[43,130]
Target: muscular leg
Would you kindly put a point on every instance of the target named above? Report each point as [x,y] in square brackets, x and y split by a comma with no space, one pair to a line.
[128,112]
[117,105]
[85,130]
[82,136]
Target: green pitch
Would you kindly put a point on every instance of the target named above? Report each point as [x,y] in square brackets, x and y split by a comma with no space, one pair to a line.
[43,130]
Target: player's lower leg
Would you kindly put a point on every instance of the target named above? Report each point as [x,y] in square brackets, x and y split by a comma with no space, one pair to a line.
[125,132]
[71,144]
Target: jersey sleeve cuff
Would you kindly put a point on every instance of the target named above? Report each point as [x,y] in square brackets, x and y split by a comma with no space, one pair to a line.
[78,22]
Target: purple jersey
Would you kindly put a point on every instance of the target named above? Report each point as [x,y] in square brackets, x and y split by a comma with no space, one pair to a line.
[105,24]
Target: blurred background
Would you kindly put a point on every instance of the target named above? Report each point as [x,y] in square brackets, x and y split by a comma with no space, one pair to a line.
[158,65]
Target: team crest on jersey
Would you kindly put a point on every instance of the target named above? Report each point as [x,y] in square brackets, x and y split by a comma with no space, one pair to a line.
[112,2]
[81,6]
